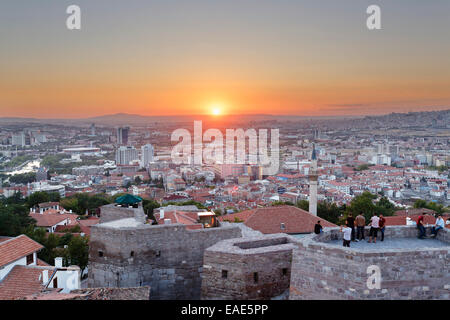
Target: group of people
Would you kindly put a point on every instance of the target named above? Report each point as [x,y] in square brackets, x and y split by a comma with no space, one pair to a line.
[377,223]
[353,229]
[440,224]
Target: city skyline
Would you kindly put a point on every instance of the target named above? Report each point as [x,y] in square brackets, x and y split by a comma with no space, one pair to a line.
[223,58]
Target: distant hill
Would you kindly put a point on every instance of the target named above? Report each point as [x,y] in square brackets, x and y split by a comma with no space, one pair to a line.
[126,118]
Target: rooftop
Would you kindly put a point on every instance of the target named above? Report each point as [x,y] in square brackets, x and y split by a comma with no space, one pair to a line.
[16,248]
[122,223]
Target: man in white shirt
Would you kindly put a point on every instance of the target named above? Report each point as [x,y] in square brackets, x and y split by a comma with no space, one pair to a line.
[347,235]
[440,224]
[375,225]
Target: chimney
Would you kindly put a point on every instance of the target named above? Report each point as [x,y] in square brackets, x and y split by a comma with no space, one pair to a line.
[44,276]
[59,262]
[161,214]
[167,221]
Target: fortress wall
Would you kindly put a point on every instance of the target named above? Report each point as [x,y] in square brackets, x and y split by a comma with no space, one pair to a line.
[247,269]
[322,271]
[112,212]
[168,258]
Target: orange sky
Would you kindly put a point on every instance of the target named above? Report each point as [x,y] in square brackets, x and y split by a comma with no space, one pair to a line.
[282,58]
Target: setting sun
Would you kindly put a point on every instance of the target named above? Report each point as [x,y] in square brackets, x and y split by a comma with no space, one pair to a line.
[216,109]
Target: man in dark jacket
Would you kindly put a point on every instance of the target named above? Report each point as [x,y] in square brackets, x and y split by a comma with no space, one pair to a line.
[318,228]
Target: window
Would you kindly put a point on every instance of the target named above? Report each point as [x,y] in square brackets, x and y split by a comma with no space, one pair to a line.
[284,271]
[224,274]
[30,259]
[282,226]
[158,253]
[132,254]
[100,253]
[55,283]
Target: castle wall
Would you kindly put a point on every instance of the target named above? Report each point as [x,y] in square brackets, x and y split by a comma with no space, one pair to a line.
[322,271]
[168,258]
[247,269]
[111,212]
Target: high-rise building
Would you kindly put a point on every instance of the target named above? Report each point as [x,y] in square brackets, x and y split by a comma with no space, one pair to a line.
[18,139]
[124,155]
[93,129]
[313,176]
[122,135]
[147,153]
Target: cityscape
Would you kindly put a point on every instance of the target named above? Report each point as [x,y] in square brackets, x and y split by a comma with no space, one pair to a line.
[216,170]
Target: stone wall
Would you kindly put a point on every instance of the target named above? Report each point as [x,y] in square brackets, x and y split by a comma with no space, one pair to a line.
[168,258]
[111,212]
[245,269]
[324,271]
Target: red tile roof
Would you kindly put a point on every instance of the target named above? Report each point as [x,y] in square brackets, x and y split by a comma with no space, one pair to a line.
[16,248]
[22,281]
[269,219]
[48,220]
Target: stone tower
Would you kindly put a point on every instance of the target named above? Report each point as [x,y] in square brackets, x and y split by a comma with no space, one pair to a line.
[313,183]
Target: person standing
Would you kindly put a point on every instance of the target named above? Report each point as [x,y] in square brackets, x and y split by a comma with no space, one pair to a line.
[360,224]
[421,227]
[440,224]
[351,224]
[382,224]
[318,228]
[374,226]
[347,235]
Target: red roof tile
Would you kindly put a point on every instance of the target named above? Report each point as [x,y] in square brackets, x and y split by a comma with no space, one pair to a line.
[16,248]
[269,219]
[48,220]
[22,281]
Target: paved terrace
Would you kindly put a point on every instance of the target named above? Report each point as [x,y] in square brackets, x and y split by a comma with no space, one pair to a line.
[394,243]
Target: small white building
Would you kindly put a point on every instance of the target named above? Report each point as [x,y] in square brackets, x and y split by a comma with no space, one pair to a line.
[23,274]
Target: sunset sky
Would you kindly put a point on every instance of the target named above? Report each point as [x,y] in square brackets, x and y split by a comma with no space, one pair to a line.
[178,57]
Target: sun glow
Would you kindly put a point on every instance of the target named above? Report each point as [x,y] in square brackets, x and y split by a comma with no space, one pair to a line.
[216,109]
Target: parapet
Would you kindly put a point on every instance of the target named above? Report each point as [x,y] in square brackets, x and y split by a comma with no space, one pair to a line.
[248,268]
[400,267]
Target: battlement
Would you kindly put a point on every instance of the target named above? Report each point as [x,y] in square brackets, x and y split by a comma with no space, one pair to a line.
[244,269]
[168,258]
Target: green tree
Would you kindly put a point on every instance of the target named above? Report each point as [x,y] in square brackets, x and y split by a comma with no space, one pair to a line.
[363,204]
[385,207]
[36,198]
[23,178]
[78,252]
[303,204]
[149,205]
[281,203]
[65,239]
[329,211]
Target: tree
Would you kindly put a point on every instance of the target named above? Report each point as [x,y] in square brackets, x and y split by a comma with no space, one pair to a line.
[14,219]
[149,205]
[329,211]
[362,204]
[78,252]
[38,197]
[137,180]
[385,207]
[303,204]
[65,239]
[282,203]
[23,178]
